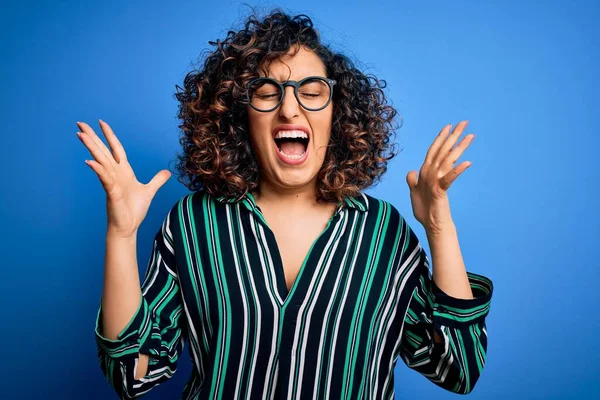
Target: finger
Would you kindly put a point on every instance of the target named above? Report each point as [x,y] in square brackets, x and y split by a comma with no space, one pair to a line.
[448,163]
[93,137]
[159,180]
[411,179]
[106,180]
[451,176]
[95,151]
[450,141]
[118,151]
[437,143]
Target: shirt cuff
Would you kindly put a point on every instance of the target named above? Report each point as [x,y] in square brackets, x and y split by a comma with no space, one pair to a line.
[451,311]
[131,338]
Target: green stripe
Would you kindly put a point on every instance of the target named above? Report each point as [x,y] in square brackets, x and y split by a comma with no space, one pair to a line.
[476,344]
[209,237]
[354,235]
[321,272]
[227,300]
[363,291]
[461,344]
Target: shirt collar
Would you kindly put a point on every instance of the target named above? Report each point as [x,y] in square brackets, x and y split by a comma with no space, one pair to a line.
[359,202]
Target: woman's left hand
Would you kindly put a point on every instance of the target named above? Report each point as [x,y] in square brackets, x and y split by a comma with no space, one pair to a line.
[428,195]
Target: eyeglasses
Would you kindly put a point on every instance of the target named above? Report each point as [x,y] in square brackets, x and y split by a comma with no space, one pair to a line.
[314,93]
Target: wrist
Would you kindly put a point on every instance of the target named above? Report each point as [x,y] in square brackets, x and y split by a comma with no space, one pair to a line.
[119,236]
[440,229]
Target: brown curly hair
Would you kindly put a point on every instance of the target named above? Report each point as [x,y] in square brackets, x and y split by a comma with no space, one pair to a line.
[217,154]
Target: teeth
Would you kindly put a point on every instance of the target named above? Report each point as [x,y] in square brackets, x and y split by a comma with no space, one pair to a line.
[291,134]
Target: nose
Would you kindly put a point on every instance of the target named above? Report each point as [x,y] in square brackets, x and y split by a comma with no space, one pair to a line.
[289,107]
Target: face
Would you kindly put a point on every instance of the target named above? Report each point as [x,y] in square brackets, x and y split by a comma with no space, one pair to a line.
[278,170]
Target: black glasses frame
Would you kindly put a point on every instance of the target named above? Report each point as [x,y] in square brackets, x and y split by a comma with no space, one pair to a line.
[295,85]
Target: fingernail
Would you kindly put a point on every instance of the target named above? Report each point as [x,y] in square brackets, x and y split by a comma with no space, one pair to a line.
[466,121]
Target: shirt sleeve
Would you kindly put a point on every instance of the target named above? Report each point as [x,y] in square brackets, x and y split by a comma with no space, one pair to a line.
[456,363]
[155,329]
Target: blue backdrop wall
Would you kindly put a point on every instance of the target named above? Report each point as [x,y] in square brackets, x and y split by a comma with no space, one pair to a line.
[524,74]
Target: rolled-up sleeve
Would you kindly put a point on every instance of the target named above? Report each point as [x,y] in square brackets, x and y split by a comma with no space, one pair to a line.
[456,363]
[155,329]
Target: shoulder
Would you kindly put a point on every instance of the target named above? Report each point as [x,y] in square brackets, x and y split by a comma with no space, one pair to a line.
[184,207]
[179,220]
[192,199]
[194,205]
[384,208]
[388,215]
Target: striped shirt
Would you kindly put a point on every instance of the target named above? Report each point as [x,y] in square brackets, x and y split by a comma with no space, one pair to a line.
[364,296]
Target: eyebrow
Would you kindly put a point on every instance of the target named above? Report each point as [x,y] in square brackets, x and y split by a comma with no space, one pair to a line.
[297,80]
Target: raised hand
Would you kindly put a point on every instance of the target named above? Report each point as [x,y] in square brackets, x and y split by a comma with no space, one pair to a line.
[127,200]
[428,194]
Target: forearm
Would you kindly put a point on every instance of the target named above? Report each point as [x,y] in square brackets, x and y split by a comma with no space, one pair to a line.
[449,272]
[121,294]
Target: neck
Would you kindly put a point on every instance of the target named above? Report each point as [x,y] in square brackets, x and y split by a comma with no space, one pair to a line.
[287,199]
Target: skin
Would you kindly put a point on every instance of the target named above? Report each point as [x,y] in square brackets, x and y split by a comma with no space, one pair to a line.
[293,187]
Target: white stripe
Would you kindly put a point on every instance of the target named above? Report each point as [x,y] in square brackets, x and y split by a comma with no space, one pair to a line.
[194,341]
[413,266]
[241,286]
[338,230]
[276,307]
[385,323]
[336,287]
[363,294]
[342,306]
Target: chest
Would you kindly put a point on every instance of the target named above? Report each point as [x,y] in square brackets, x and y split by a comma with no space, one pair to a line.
[295,237]
[294,243]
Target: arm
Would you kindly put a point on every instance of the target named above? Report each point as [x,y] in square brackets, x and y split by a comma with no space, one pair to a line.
[121,295]
[145,351]
[444,336]
[449,272]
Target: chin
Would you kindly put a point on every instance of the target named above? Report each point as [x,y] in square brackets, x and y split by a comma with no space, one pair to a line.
[294,178]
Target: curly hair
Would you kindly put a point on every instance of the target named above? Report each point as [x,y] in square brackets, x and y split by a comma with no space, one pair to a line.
[217,154]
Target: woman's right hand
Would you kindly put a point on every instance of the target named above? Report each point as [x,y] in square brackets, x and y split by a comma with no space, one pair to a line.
[127,200]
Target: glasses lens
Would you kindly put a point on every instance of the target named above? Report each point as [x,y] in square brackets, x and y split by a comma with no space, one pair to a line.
[314,93]
[264,94]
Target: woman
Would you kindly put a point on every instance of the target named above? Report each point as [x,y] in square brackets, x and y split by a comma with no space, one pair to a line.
[286,280]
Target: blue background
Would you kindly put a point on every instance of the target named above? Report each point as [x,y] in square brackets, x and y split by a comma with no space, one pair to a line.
[524,74]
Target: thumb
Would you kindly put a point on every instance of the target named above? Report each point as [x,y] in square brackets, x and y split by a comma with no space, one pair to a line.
[411,179]
[159,179]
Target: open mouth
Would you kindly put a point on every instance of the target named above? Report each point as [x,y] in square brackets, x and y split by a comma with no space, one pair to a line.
[292,144]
